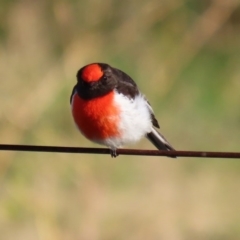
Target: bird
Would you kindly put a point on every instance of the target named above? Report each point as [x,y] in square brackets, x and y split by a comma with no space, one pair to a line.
[109,109]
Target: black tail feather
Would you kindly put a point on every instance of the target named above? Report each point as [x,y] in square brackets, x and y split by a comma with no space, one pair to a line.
[159,141]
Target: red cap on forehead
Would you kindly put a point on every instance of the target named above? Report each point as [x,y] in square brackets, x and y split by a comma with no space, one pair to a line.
[91,73]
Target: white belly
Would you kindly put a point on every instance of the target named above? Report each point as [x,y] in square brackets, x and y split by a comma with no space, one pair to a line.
[135,120]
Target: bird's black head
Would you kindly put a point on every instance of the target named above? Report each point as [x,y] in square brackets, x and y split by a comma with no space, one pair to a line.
[95,80]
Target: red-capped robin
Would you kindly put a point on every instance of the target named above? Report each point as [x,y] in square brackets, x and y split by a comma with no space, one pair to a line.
[108,109]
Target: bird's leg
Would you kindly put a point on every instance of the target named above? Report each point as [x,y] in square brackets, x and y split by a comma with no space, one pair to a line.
[113,152]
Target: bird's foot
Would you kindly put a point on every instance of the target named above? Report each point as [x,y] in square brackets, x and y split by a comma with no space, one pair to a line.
[113,153]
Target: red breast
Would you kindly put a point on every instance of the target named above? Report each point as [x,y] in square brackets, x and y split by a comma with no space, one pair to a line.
[97,118]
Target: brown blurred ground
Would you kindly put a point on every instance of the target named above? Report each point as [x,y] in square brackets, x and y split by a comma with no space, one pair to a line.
[184,55]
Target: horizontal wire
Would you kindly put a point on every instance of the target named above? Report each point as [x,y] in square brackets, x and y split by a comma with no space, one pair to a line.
[137,152]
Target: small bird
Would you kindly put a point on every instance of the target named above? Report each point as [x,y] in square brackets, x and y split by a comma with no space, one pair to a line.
[109,109]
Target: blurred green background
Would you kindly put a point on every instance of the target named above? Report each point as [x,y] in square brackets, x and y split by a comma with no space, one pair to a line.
[185,57]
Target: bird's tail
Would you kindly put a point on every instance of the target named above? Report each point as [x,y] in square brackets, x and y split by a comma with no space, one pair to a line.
[159,141]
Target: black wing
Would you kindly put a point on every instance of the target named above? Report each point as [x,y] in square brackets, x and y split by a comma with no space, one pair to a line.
[129,88]
[154,120]
[73,91]
[125,85]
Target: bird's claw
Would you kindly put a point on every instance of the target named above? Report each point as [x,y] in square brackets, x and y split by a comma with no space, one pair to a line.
[113,153]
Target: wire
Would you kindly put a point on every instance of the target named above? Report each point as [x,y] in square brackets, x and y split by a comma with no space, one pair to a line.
[136,152]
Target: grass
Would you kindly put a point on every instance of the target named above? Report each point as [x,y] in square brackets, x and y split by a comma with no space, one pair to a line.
[189,71]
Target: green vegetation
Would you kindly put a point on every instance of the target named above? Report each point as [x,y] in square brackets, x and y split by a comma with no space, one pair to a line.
[184,55]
